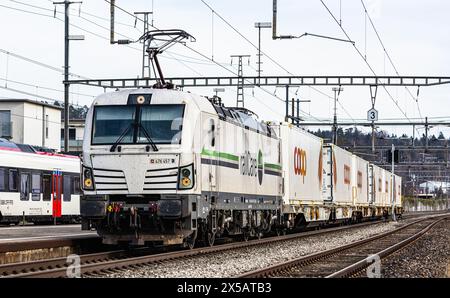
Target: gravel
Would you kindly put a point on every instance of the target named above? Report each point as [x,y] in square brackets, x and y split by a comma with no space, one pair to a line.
[235,262]
[238,261]
[429,256]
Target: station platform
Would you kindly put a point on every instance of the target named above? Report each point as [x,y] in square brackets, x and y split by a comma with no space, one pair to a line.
[30,238]
[34,233]
[30,243]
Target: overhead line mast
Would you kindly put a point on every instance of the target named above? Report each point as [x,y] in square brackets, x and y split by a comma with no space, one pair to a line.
[67,38]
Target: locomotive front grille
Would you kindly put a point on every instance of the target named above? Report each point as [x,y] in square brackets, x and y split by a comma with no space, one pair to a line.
[110,180]
[161,179]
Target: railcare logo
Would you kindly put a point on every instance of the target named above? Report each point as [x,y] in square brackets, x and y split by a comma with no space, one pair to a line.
[260,167]
[374,269]
[74,268]
[300,162]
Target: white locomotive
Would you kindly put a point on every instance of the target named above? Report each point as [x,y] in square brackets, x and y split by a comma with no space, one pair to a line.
[36,186]
[173,167]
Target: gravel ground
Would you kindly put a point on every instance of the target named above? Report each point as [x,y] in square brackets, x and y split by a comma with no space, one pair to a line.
[235,262]
[427,257]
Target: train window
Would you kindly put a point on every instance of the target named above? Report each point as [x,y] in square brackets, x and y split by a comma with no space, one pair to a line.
[112,122]
[66,189]
[212,126]
[36,187]
[2,180]
[76,185]
[47,187]
[13,177]
[163,123]
[227,113]
[24,186]
[219,110]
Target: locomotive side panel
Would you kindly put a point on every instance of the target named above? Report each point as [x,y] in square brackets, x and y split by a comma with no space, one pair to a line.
[240,163]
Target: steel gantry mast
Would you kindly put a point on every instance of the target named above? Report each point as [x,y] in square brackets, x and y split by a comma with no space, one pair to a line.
[67,39]
[252,81]
[240,86]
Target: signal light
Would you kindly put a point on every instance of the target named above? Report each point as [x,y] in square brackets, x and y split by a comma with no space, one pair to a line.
[186,182]
[88,182]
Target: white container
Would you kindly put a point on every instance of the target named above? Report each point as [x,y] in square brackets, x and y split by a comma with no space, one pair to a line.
[302,165]
[360,183]
[338,163]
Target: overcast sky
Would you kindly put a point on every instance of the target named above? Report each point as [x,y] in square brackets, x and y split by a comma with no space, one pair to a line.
[416,35]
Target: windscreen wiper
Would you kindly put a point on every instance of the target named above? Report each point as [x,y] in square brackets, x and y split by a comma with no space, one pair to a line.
[150,140]
[114,146]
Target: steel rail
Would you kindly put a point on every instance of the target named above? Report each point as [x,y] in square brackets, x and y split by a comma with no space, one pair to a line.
[97,263]
[315,257]
[358,266]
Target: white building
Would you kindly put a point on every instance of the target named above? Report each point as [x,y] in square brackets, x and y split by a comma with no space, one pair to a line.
[433,186]
[76,133]
[30,122]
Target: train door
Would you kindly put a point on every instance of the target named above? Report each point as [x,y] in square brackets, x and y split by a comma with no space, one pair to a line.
[214,161]
[370,185]
[25,186]
[47,192]
[327,171]
[57,192]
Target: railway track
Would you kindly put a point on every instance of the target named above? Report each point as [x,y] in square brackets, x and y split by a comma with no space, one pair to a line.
[113,261]
[107,262]
[349,260]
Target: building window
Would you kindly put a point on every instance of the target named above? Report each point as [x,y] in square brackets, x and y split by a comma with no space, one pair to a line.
[72,133]
[5,124]
[46,126]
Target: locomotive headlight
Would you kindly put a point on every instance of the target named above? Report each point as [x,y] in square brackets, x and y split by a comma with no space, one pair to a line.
[88,180]
[185,172]
[186,177]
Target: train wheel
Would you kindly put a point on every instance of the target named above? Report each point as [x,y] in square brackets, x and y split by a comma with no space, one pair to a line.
[211,238]
[245,235]
[189,242]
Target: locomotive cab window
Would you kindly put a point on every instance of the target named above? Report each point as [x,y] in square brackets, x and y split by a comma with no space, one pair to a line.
[138,124]
[163,123]
[111,123]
